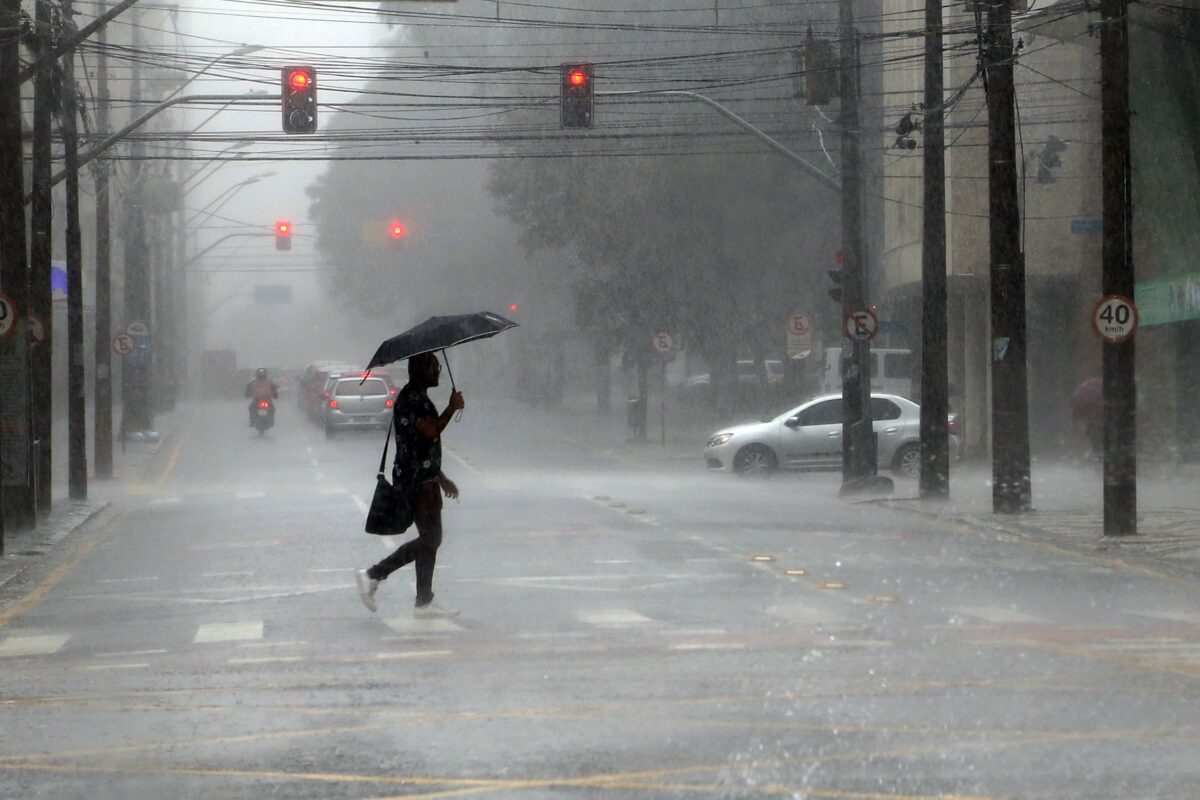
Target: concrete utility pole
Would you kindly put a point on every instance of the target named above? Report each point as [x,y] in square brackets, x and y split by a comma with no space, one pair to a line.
[76,398]
[1010,398]
[1120,394]
[137,413]
[935,444]
[858,434]
[41,250]
[14,273]
[102,383]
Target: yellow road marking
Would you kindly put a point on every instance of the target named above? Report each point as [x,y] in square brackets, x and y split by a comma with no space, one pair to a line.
[51,580]
[175,453]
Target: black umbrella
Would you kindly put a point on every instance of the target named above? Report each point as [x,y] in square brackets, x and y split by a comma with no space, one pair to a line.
[439,333]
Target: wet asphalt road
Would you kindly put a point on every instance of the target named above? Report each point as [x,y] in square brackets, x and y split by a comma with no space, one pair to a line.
[625,634]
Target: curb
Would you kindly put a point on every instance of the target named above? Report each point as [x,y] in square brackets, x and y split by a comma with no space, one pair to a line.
[24,549]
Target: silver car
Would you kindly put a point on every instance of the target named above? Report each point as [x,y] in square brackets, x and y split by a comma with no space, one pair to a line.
[810,437]
[352,402]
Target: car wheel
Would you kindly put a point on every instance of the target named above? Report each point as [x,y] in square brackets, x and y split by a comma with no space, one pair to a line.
[754,461]
[907,462]
[330,432]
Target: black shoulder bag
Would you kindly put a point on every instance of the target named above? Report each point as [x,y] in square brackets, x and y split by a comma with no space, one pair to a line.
[391,511]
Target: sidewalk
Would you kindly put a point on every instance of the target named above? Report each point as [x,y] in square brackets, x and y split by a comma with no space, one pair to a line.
[133,464]
[1068,498]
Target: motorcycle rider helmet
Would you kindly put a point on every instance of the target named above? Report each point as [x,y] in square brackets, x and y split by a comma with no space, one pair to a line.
[261,372]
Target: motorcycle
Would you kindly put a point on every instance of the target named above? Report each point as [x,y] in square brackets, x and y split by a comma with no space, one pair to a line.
[264,416]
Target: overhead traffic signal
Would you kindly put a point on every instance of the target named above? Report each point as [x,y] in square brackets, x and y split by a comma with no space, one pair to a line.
[298,93]
[835,276]
[820,72]
[397,230]
[283,235]
[576,88]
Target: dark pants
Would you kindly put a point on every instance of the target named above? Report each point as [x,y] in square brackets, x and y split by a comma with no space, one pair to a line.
[427,513]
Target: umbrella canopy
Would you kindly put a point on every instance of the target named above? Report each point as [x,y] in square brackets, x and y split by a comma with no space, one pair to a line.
[439,333]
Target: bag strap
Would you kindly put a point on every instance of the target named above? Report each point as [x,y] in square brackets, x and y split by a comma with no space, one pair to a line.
[386,442]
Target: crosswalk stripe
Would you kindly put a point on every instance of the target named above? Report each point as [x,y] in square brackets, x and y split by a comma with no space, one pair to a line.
[1190,618]
[1004,616]
[32,645]
[613,618]
[228,632]
[411,625]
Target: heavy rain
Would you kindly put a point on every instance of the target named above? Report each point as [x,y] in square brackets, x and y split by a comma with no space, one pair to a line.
[578,399]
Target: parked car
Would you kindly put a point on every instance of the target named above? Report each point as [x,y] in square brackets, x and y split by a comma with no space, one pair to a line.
[700,385]
[313,381]
[891,371]
[352,400]
[809,437]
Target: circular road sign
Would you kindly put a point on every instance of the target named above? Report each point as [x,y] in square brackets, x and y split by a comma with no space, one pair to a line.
[122,344]
[799,323]
[662,342]
[862,324]
[8,316]
[1115,318]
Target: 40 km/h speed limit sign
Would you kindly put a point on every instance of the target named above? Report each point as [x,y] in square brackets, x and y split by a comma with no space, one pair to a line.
[1115,318]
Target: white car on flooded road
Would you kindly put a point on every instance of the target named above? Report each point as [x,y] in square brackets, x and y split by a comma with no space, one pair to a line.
[809,437]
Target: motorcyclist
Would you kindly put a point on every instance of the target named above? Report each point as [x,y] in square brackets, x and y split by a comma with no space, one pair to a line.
[260,389]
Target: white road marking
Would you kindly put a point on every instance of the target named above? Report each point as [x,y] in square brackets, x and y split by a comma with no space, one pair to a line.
[313,462]
[346,570]
[1187,617]
[708,646]
[464,464]
[235,545]
[1000,615]
[410,625]
[249,495]
[130,653]
[613,561]
[226,574]
[363,508]
[228,632]
[296,643]
[127,580]
[32,645]
[165,501]
[139,665]
[416,654]
[807,614]
[338,490]
[613,618]
[264,660]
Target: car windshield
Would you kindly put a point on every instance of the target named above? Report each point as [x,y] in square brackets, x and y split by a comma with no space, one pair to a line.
[357,387]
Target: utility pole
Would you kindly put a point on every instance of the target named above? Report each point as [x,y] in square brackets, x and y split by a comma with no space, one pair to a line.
[858,435]
[935,444]
[137,413]
[40,254]
[14,268]
[76,398]
[1120,395]
[1010,397]
[102,384]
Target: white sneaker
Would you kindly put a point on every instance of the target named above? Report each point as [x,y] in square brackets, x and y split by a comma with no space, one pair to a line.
[366,588]
[433,611]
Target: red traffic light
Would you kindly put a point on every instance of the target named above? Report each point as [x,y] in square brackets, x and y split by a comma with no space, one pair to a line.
[283,227]
[577,77]
[299,79]
[396,229]
[513,307]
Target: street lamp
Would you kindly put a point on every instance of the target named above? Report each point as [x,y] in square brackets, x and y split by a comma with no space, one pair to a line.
[227,195]
[244,50]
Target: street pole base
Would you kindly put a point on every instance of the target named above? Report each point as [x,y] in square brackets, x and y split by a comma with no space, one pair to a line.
[871,484]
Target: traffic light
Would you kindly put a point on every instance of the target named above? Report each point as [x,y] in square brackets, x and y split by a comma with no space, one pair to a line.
[835,276]
[820,72]
[299,98]
[576,95]
[283,235]
[396,230]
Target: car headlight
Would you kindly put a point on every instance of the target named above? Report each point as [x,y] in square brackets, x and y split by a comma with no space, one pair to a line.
[719,439]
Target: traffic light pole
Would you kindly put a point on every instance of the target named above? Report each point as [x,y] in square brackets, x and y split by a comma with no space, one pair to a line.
[102,447]
[858,434]
[41,215]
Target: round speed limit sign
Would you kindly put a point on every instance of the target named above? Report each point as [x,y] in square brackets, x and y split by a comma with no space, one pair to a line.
[8,316]
[1115,318]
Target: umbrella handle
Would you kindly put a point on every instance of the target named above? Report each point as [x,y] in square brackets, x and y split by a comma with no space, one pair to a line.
[453,388]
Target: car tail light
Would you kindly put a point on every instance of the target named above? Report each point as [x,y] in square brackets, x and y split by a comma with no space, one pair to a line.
[264,404]
[390,402]
[333,404]
[326,394]
[952,425]
[393,390]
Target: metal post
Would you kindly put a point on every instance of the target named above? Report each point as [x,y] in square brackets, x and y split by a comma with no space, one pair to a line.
[40,254]
[1010,400]
[102,383]
[137,412]
[858,435]
[76,398]
[935,444]
[1120,395]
